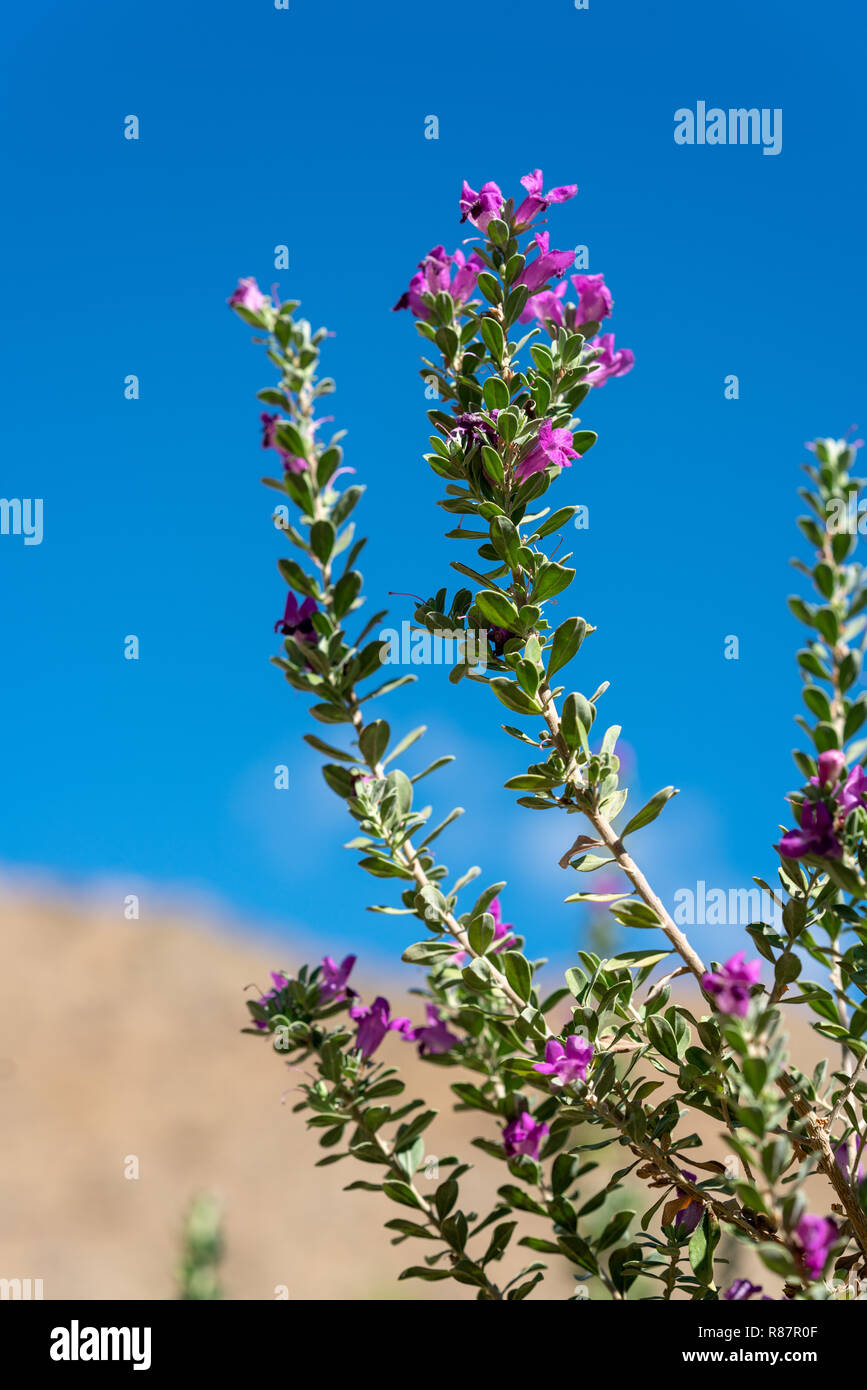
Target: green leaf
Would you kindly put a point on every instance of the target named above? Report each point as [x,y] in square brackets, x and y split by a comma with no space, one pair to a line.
[553,580]
[624,1266]
[567,640]
[632,912]
[521,1200]
[492,290]
[322,535]
[331,714]
[374,741]
[817,702]
[495,393]
[492,336]
[429,952]
[518,973]
[402,1192]
[322,747]
[576,720]
[507,543]
[498,609]
[662,1036]
[445,1197]
[346,591]
[513,697]
[556,522]
[297,579]
[701,1248]
[649,812]
[614,1230]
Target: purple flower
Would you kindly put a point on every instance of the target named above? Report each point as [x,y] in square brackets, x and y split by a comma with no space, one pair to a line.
[609,363]
[473,429]
[501,928]
[523,1136]
[291,462]
[546,265]
[334,977]
[465,277]
[547,304]
[831,763]
[853,791]
[690,1212]
[435,273]
[248,295]
[841,1154]
[280,982]
[816,1235]
[537,201]
[479,208]
[435,1038]
[374,1023]
[742,1289]
[552,446]
[816,835]
[498,637]
[296,619]
[730,985]
[567,1063]
[595,302]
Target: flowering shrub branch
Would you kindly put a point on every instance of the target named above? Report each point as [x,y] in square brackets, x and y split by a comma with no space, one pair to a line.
[561,1088]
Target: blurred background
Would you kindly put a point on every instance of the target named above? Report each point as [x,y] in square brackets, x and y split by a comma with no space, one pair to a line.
[154,778]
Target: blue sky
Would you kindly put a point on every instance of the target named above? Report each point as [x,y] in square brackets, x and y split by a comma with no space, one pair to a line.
[306,127]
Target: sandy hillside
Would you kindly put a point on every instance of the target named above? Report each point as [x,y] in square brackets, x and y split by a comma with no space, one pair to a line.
[122,1039]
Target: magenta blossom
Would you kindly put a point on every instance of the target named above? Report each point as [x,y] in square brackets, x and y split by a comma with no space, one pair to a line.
[480,208]
[730,985]
[523,1136]
[374,1023]
[552,446]
[742,1289]
[502,929]
[334,977]
[498,637]
[841,1154]
[433,1039]
[567,1063]
[536,201]
[853,791]
[248,295]
[434,274]
[547,304]
[296,619]
[280,982]
[816,1235]
[474,428]
[815,837]
[291,462]
[547,264]
[690,1212]
[609,363]
[831,763]
[594,298]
